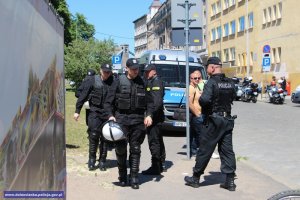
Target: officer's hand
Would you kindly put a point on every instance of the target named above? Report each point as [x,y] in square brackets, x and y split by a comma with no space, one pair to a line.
[76,116]
[112,118]
[148,121]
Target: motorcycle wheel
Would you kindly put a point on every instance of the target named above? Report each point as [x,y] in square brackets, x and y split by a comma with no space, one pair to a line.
[289,194]
[254,99]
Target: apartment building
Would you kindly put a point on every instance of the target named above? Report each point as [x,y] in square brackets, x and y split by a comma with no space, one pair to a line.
[238,30]
[157,30]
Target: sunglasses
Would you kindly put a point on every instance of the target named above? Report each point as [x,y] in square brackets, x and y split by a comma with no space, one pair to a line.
[196,78]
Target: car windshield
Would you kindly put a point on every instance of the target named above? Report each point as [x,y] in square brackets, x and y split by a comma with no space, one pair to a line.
[174,75]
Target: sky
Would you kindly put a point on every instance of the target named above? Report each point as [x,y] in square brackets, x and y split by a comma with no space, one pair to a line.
[112,19]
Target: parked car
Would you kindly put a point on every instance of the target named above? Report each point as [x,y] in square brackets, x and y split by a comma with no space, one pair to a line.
[296,95]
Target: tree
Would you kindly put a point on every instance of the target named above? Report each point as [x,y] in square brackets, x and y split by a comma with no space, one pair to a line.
[81,55]
[81,28]
[62,9]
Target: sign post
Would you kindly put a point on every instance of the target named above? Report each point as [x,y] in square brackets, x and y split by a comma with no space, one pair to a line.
[266,61]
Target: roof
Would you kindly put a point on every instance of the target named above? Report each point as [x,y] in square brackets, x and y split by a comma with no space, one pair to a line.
[156,3]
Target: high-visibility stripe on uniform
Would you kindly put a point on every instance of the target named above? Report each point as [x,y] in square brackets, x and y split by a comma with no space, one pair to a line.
[155,88]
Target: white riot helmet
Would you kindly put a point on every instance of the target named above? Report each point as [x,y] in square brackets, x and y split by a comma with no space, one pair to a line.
[112,131]
[250,78]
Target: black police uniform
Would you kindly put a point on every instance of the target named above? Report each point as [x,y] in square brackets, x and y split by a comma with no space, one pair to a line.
[90,75]
[95,92]
[216,100]
[155,92]
[128,98]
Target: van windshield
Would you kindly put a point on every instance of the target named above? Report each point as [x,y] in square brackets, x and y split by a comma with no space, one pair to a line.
[174,75]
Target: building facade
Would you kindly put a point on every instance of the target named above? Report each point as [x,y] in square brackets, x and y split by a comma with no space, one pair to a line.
[157,34]
[238,31]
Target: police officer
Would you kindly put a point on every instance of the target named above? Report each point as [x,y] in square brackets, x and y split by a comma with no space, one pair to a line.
[155,92]
[216,100]
[90,75]
[95,92]
[128,98]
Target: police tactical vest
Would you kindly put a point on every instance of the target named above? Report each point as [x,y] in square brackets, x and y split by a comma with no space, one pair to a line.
[96,96]
[131,95]
[224,94]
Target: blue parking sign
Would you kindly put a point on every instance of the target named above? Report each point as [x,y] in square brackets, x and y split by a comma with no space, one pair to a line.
[266,64]
[116,60]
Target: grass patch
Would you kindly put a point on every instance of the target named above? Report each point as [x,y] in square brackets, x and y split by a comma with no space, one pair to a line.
[240,158]
[76,135]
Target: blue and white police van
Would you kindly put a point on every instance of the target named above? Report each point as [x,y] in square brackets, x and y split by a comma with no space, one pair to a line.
[171,68]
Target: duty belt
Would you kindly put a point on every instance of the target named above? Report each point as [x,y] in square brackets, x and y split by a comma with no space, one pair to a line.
[128,112]
[223,114]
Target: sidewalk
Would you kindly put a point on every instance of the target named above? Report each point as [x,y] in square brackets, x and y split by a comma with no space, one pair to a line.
[83,184]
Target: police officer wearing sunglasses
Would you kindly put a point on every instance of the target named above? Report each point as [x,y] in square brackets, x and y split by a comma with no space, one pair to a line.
[216,100]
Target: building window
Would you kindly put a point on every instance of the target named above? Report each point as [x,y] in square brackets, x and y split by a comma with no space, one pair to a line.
[219,7]
[226,30]
[231,3]
[226,55]
[213,9]
[278,55]
[232,27]
[226,4]
[250,20]
[274,17]
[264,16]
[232,53]
[213,34]
[269,16]
[273,55]
[219,32]
[241,23]
[279,10]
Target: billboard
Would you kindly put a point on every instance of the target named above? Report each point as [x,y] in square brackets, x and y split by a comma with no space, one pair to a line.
[32,130]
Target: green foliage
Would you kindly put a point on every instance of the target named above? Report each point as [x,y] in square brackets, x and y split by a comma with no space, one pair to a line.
[81,28]
[82,55]
[62,8]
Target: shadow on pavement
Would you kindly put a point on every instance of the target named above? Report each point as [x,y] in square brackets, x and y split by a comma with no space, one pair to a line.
[212,179]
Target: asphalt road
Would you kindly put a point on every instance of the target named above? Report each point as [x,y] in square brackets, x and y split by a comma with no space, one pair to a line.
[266,140]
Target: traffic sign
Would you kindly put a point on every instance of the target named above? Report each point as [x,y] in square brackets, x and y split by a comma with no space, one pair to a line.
[116,60]
[267,49]
[266,64]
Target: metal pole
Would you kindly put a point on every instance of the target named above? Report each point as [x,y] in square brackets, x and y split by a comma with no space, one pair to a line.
[187,79]
[247,39]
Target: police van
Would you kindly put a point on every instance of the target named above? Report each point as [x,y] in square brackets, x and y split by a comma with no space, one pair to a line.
[171,68]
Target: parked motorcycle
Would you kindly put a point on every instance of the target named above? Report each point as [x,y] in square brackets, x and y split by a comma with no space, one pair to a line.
[238,88]
[250,92]
[276,95]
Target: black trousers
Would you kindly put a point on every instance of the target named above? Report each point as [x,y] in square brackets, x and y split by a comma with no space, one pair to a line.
[156,142]
[95,137]
[218,130]
[135,137]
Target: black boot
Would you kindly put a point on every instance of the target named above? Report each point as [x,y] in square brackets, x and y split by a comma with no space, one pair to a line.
[229,183]
[103,155]
[102,165]
[134,170]
[123,178]
[134,181]
[93,145]
[155,168]
[121,154]
[91,164]
[192,181]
